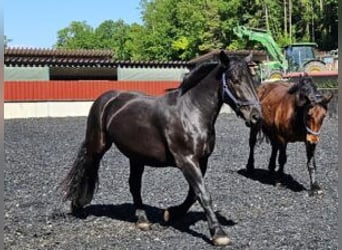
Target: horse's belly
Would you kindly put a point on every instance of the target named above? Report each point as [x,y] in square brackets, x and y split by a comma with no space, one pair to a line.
[148,149]
[139,139]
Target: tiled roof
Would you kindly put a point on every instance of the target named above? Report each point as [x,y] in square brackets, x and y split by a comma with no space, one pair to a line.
[76,58]
[212,55]
[95,58]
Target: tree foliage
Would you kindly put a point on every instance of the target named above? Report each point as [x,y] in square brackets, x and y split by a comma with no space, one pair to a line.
[183,29]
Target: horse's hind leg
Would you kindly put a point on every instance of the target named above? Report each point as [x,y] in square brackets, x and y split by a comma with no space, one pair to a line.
[135,178]
[173,213]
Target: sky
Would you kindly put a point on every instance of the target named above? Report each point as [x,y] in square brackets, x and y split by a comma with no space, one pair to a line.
[35,23]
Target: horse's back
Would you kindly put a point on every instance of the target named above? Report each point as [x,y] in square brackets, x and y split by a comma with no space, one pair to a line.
[99,108]
[274,89]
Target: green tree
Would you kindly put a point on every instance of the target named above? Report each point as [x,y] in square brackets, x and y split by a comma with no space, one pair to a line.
[184,29]
[78,35]
[113,35]
[158,17]
[6,41]
[135,43]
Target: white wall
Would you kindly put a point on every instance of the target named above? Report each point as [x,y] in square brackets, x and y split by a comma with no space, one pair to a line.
[54,109]
[45,109]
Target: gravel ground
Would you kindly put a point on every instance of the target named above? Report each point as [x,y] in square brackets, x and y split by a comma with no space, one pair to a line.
[255,213]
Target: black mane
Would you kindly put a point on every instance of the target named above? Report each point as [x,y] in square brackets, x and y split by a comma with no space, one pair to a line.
[305,86]
[192,78]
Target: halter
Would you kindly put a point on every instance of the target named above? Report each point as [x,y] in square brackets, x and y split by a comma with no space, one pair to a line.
[228,95]
[312,132]
[308,130]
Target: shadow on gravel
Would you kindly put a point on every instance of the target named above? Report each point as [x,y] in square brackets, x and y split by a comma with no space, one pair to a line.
[183,224]
[125,212]
[264,177]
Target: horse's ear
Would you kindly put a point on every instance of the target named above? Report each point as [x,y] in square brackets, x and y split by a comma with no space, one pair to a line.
[248,58]
[224,59]
[326,98]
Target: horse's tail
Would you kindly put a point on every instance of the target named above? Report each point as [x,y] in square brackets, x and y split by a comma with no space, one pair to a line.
[82,180]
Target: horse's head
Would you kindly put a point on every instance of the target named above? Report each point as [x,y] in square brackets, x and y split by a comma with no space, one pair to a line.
[238,89]
[314,107]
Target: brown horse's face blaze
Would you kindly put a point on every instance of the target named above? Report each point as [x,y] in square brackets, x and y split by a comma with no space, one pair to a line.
[314,121]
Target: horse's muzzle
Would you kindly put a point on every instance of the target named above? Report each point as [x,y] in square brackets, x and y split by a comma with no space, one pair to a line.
[313,139]
[254,117]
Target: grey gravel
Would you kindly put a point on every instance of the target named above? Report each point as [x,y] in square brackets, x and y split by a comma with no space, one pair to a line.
[255,213]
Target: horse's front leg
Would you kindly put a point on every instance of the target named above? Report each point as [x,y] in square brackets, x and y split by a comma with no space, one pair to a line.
[311,165]
[135,177]
[192,172]
[282,159]
[252,141]
[173,213]
[273,158]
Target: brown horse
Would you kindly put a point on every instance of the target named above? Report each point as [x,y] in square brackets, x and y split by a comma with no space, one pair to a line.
[291,113]
[176,129]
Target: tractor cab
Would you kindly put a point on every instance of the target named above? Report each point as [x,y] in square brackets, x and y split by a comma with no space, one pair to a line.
[302,56]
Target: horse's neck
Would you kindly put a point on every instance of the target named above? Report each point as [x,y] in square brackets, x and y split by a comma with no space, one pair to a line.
[205,98]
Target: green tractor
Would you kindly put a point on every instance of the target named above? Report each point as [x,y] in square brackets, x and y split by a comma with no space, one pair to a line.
[296,57]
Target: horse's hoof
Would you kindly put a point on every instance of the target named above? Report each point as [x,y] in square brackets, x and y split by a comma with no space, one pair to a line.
[166,216]
[319,192]
[280,185]
[221,241]
[144,226]
[315,192]
[78,211]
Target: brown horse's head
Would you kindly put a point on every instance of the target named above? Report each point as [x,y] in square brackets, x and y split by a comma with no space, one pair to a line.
[314,118]
[314,106]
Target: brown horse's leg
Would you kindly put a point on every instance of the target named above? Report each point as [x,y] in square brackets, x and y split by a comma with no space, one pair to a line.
[252,141]
[311,165]
[135,177]
[173,213]
[192,172]
[282,161]
[273,158]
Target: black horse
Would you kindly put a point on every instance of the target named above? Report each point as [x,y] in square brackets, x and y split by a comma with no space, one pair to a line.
[176,129]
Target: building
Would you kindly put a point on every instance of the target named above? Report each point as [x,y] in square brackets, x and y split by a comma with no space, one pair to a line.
[48,82]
